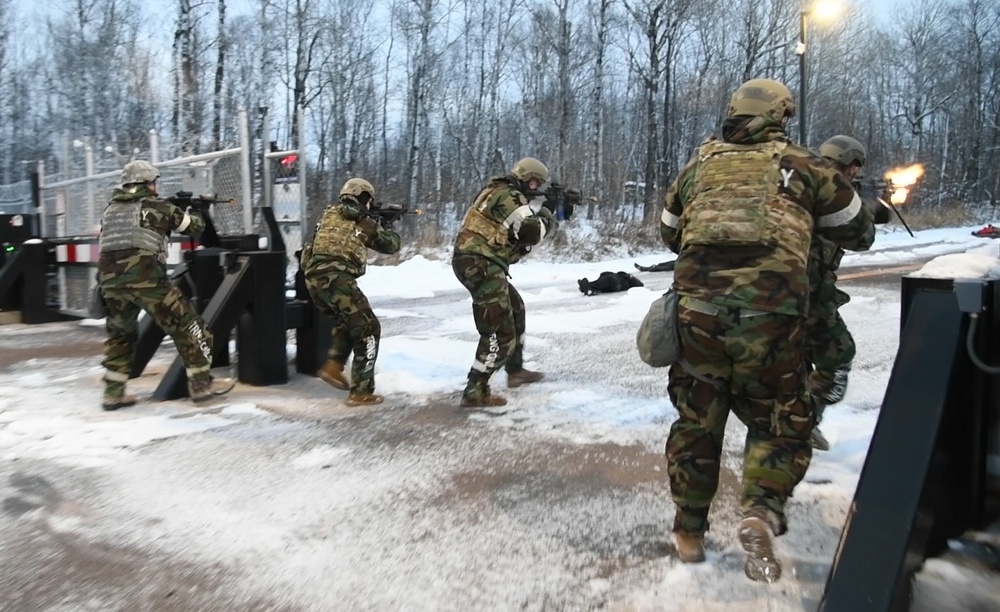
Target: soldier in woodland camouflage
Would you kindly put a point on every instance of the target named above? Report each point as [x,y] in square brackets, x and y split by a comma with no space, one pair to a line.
[132,274]
[498,230]
[740,216]
[331,264]
[830,347]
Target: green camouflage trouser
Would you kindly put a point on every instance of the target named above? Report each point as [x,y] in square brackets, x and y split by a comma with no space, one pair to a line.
[173,313]
[355,326]
[498,310]
[829,344]
[757,363]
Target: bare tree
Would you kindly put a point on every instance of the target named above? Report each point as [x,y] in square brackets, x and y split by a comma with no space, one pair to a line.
[417,19]
[186,120]
[222,44]
[602,26]
[443,93]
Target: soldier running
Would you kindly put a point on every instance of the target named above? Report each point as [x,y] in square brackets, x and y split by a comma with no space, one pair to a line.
[740,216]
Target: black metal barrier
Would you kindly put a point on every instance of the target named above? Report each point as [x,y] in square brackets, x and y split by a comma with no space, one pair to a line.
[235,286]
[925,477]
[24,279]
[238,288]
[249,299]
[312,337]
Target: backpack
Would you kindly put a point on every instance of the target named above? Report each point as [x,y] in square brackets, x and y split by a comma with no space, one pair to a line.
[656,339]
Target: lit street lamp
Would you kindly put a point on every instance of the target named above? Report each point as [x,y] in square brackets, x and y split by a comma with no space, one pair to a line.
[821,11]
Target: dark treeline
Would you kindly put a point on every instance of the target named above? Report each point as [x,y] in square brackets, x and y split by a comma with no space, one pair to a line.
[427,98]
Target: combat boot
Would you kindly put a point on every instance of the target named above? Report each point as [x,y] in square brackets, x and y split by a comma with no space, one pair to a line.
[757,538]
[357,398]
[690,546]
[523,377]
[477,392]
[209,388]
[114,402]
[332,373]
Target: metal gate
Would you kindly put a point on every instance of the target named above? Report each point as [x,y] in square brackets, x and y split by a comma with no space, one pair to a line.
[71,209]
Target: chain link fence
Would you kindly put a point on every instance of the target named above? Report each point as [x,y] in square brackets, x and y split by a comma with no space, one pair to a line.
[72,208]
[15,199]
[213,175]
[73,200]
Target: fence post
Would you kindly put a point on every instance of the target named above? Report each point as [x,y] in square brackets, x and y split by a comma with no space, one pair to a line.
[303,188]
[245,185]
[37,198]
[154,147]
[88,153]
[265,147]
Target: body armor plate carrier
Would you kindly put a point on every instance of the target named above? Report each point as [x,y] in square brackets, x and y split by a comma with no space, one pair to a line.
[736,201]
[341,238]
[121,229]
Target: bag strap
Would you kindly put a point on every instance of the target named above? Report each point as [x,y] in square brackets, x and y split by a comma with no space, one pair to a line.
[689,368]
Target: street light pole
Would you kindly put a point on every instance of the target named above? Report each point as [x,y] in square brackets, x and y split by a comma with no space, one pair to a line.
[803,79]
[822,11]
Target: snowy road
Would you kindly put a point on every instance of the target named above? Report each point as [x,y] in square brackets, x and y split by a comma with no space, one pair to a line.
[282,498]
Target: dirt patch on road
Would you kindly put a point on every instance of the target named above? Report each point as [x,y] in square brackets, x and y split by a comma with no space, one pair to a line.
[53,569]
[11,356]
[46,526]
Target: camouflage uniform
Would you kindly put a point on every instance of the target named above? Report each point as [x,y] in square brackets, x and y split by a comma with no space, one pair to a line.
[830,347]
[331,264]
[498,230]
[740,216]
[132,274]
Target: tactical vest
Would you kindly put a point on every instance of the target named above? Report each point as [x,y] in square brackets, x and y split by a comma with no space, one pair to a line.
[122,229]
[735,201]
[341,238]
[479,222]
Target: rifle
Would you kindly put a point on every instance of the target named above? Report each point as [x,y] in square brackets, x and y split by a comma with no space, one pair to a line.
[388,214]
[881,190]
[202,205]
[558,199]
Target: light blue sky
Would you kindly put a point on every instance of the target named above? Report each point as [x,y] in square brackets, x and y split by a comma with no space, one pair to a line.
[882,8]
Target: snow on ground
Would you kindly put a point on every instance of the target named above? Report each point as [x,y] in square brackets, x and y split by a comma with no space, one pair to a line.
[283,498]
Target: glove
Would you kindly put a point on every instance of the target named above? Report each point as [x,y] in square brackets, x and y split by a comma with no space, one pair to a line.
[549,204]
[880,211]
[368,225]
[548,219]
[866,190]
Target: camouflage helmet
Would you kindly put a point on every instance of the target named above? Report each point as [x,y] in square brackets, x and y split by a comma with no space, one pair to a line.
[139,171]
[844,151]
[357,186]
[761,97]
[530,168]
